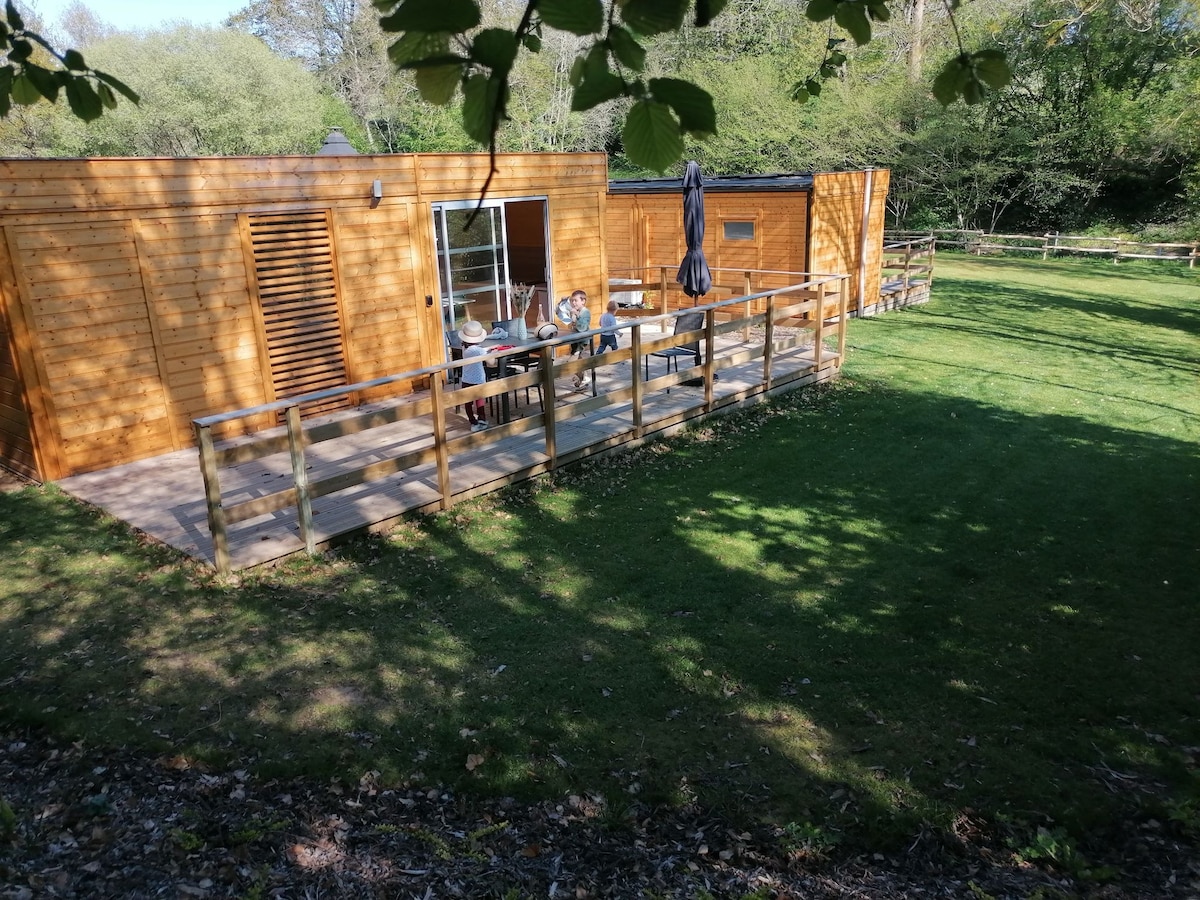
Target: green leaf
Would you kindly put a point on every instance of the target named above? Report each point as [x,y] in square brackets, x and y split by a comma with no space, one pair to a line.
[820,10]
[14,17]
[626,49]
[648,17]
[532,42]
[949,83]
[813,86]
[573,16]
[693,105]
[73,60]
[6,81]
[878,11]
[852,16]
[25,91]
[454,16]
[127,92]
[800,93]
[596,89]
[992,68]
[707,10]
[84,100]
[45,81]
[416,46]
[651,136]
[437,84]
[107,97]
[483,108]
[20,50]
[495,48]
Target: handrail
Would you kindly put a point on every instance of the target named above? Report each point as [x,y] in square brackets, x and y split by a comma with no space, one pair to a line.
[808,311]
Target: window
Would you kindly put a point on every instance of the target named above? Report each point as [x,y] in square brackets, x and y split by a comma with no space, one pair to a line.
[739,231]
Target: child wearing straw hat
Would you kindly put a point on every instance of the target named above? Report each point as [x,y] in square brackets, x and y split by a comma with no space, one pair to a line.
[472,334]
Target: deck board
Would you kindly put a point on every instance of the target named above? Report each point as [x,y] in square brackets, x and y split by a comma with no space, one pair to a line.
[164,496]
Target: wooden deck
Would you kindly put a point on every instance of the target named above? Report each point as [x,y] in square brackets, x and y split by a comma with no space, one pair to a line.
[165,496]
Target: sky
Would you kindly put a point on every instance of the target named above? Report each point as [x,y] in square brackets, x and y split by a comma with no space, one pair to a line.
[129,14]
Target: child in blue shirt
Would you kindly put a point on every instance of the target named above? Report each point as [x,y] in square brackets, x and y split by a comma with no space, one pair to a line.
[608,340]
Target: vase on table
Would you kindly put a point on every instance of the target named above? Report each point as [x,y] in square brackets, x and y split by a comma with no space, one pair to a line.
[520,331]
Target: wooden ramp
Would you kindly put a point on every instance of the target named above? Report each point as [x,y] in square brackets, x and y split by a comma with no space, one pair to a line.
[165,496]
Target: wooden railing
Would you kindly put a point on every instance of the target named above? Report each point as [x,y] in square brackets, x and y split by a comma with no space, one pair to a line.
[813,311]
[1054,244]
[906,270]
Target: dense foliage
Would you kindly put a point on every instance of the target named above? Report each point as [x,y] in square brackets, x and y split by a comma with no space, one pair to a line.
[1099,128]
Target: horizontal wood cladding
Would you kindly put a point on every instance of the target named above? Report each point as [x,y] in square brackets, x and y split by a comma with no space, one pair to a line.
[141,288]
[90,325]
[837,228]
[382,301]
[16,438]
[576,249]
[647,230]
[197,290]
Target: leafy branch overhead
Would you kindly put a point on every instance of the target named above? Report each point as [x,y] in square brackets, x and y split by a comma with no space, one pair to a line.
[443,43]
[25,80]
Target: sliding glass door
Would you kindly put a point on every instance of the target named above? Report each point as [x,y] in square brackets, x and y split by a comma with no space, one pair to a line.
[482,250]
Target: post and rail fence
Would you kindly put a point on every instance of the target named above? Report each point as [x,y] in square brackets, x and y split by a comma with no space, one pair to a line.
[1053,243]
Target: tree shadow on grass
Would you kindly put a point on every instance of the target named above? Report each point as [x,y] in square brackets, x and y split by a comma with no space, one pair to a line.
[895,605]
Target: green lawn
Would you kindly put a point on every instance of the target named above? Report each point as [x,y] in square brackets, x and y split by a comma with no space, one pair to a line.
[965,576]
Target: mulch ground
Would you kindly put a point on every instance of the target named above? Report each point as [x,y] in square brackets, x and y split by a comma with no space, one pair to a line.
[82,822]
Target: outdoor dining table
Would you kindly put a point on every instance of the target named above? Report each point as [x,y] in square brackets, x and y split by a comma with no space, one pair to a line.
[499,367]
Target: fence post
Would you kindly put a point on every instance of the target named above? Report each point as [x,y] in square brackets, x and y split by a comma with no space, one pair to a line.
[747,290]
[212,497]
[662,293]
[842,306]
[546,367]
[769,343]
[1195,253]
[437,398]
[710,321]
[819,332]
[635,346]
[300,478]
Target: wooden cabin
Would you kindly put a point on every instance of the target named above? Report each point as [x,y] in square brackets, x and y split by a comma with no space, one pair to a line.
[828,222]
[137,295]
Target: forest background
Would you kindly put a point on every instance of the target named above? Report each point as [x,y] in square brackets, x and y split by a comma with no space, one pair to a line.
[1099,131]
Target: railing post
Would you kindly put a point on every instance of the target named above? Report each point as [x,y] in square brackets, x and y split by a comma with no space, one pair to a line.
[437,399]
[747,290]
[819,333]
[842,308]
[300,478]
[662,294]
[710,321]
[212,496]
[1195,253]
[549,405]
[769,343]
[635,344]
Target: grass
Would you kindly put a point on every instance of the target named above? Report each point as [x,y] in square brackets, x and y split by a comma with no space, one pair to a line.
[965,577]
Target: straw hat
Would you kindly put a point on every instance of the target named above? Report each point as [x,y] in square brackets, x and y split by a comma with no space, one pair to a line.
[472,332]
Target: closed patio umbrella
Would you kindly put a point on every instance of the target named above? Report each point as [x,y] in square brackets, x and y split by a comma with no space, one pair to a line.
[694,274]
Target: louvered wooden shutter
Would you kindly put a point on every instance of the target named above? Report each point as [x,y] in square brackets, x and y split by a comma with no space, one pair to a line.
[297,292]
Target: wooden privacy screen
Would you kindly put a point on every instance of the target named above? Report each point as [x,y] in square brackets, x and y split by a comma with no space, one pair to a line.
[297,291]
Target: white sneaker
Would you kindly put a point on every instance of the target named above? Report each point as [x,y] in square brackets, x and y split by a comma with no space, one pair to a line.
[479,426]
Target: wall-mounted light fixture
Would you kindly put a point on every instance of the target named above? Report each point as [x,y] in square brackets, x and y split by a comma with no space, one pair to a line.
[376,189]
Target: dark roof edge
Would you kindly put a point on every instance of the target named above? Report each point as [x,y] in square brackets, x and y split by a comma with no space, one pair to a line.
[714,183]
